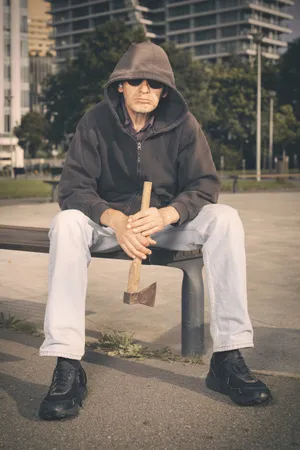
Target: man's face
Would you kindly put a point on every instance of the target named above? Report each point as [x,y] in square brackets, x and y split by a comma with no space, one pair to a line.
[141,98]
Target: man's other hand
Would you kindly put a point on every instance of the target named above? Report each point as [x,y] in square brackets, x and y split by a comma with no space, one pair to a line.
[135,245]
[152,220]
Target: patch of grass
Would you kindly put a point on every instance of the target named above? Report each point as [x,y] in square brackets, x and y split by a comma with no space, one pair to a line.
[115,344]
[22,326]
[123,345]
[22,188]
[259,186]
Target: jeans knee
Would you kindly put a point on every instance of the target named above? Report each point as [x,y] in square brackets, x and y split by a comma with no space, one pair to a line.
[68,219]
[225,216]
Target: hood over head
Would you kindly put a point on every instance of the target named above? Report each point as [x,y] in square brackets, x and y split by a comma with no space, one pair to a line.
[148,61]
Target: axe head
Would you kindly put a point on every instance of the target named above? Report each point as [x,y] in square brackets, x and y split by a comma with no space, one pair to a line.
[145,297]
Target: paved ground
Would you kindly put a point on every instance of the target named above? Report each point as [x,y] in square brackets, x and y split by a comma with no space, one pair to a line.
[154,404]
[139,406]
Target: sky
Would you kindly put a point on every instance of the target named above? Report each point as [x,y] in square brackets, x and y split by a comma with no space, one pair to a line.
[295,24]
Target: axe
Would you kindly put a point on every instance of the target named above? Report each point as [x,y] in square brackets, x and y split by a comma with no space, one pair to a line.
[147,295]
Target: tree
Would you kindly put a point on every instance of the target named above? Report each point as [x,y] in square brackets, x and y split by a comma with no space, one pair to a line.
[32,132]
[68,94]
[192,80]
[286,132]
[234,98]
[289,76]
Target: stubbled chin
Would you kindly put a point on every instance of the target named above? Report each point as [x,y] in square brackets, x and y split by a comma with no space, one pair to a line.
[143,109]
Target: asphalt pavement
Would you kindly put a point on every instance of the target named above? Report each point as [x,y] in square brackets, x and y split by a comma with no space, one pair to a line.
[154,404]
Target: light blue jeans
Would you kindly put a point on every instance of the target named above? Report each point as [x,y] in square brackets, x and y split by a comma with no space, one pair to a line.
[217,228]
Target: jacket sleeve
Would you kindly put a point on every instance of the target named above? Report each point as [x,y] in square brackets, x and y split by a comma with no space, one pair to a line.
[78,184]
[197,180]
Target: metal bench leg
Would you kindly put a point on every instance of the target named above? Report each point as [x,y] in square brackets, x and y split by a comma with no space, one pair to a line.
[192,310]
[53,193]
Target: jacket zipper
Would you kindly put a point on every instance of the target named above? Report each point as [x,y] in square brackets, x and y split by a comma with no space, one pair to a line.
[139,152]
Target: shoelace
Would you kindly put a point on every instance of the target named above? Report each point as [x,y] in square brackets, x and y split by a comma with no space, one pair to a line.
[61,378]
[239,367]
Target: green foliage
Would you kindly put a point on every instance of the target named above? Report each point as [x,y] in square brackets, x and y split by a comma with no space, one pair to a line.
[289,76]
[192,80]
[73,90]
[22,188]
[286,127]
[17,324]
[233,92]
[118,344]
[221,96]
[32,132]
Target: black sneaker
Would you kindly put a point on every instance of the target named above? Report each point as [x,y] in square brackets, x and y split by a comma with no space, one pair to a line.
[67,391]
[232,377]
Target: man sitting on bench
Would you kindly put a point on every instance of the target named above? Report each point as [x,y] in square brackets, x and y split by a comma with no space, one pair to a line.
[143,131]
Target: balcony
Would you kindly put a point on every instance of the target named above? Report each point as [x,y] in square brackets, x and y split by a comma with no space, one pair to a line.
[260,5]
[265,23]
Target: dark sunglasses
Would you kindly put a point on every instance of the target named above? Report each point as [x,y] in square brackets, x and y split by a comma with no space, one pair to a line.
[152,83]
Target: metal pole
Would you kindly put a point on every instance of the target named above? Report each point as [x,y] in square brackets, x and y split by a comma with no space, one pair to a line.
[271,133]
[258,113]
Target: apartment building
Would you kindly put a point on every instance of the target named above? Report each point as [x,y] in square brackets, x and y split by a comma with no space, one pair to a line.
[211,29]
[39,30]
[14,65]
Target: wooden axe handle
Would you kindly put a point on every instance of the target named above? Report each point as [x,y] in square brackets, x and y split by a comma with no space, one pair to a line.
[135,267]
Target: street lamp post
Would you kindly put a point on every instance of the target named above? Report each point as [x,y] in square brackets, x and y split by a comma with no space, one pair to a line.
[258,37]
[270,162]
[9,100]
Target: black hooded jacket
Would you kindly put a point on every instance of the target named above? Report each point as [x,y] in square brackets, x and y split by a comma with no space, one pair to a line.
[106,166]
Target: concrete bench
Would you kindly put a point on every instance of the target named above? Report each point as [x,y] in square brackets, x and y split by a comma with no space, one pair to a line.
[32,239]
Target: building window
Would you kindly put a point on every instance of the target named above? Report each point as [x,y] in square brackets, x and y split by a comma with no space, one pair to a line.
[205,6]
[179,11]
[118,4]
[100,8]
[181,38]
[23,3]
[205,35]
[7,72]
[207,49]
[231,16]
[24,48]
[24,74]
[6,2]
[205,20]
[229,47]
[7,99]
[25,99]
[63,42]
[80,25]
[62,28]
[245,15]
[156,29]
[229,31]
[6,47]
[230,3]
[24,25]
[61,3]
[7,122]
[156,17]
[179,25]
[80,12]
[77,2]
[6,21]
